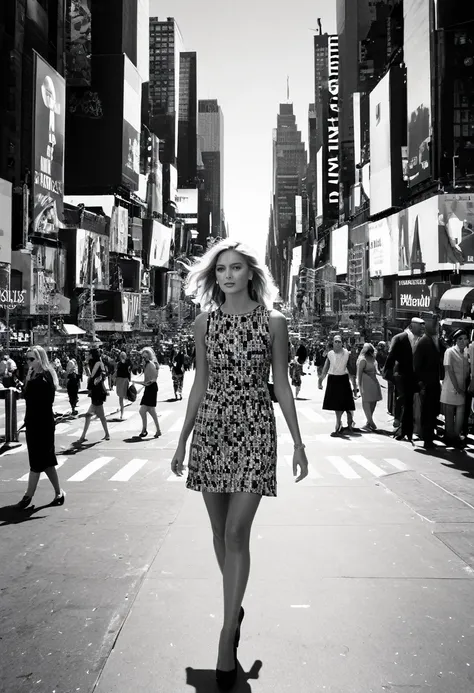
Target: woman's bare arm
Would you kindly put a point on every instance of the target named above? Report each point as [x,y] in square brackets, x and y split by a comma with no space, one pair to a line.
[201,377]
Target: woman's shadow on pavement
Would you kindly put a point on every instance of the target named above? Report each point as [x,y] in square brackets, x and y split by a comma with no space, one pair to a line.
[204,680]
[12,515]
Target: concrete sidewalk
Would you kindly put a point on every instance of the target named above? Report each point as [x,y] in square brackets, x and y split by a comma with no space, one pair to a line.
[350,592]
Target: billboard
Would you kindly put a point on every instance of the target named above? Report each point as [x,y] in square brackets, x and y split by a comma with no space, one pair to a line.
[319,187]
[119,230]
[332,158]
[412,295]
[340,248]
[157,240]
[456,230]
[48,148]
[187,202]
[143,39]
[5,221]
[380,147]
[417,56]
[299,214]
[132,99]
[383,243]
[78,43]
[92,259]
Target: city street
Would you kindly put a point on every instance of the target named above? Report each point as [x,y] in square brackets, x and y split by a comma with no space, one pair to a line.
[362,575]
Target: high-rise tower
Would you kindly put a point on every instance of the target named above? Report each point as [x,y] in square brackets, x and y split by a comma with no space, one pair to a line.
[211,142]
[166,45]
[187,122]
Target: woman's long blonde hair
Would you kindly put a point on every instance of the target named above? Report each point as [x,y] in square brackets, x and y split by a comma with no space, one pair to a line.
[201,281]
[42,357]
[151,354]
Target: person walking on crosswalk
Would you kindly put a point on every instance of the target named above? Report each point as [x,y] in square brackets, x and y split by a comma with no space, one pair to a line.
[98,394]
[123,375]
[148,401]
[39,391]
[368,384]
[232,457]
[338,396]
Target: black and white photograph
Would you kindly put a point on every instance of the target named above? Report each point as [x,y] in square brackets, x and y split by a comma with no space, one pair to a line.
[236,346]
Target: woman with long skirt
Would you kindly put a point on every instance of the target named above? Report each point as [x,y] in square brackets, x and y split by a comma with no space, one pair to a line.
[232,459]
[453,390]
[338,396]
[39,392]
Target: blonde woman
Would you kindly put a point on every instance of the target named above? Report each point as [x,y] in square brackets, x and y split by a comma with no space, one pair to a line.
[39,391]
[232,459]
[148,401]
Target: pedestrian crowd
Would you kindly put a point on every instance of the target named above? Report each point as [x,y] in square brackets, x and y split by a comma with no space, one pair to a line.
[427,374]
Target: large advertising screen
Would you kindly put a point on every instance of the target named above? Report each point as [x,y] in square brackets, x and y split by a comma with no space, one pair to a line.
[332,144]
[132,98]
[340,249]
[383,243]
[5,221]
[78,42]
[187,202]
[92,259]
[158,238]
[48,148]
[417,56]
[143,39]
[456,230]
[380,147]
[119,230]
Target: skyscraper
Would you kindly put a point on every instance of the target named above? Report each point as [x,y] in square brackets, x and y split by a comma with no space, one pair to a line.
[187,122]
[211,140]
[289,168]
[166,45]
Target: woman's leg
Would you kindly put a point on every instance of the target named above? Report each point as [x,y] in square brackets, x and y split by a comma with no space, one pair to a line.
[449,410]
[87,423]
[372,410]
[458,420]
[143,411]
[122,406]
[366,406]
[217,505]
[52,475]
[338,419]
[33,479]
[154,416]
[101,414]
[297,391]
[240,515]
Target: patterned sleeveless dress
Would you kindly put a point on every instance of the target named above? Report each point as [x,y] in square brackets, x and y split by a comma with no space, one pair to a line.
[233,448]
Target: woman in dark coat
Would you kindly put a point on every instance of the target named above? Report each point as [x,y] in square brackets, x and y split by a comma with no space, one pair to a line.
[39,391]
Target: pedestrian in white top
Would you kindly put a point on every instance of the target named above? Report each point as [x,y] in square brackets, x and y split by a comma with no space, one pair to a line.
[338,396]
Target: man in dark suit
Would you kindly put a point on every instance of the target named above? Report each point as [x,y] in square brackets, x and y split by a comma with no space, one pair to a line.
[428,368]
[399,369]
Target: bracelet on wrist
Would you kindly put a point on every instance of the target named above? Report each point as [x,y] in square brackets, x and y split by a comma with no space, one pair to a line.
[299,446]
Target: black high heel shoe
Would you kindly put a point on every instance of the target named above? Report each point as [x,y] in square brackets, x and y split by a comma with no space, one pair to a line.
[226,679]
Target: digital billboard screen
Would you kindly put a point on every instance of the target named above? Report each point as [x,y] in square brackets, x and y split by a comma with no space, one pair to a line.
[340,249]
[132,102]
[92,259]
[380,147]
[48,148]
[5,221]
[78,42]
[456,230]
[417,56]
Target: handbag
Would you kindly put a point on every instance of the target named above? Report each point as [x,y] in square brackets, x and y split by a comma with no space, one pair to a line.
[132,393]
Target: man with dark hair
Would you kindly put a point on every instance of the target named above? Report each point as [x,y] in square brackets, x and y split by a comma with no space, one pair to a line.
[399,369]
[428,369]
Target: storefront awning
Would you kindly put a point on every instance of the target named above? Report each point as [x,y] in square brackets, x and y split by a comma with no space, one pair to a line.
[454,299]
[72,330]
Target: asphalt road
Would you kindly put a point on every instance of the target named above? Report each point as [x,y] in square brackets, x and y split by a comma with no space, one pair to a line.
[362,575]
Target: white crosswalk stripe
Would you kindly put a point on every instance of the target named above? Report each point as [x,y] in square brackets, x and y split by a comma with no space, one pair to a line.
[368,465]
[131,468]
[401,466]
[313,416]
[343,467]
[90,468]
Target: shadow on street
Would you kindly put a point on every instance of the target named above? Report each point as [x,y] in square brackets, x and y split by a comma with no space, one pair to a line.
[204,680]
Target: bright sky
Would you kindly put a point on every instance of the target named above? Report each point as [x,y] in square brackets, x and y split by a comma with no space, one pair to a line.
[245,50]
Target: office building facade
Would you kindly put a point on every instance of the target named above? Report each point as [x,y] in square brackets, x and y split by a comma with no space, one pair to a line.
[211,146]
[187,121]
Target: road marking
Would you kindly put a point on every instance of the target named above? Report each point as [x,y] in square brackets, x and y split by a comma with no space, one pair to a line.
[342,467]
[90,468]
[61,460]
[313,416]
[368,465]
[312,473]
[397,464]
[129,470]
[177,426]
